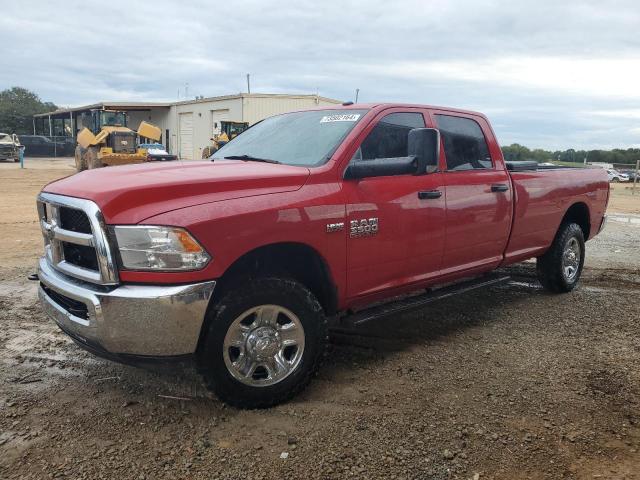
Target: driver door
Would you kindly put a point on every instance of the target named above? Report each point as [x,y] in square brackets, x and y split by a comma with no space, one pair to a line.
[395,229]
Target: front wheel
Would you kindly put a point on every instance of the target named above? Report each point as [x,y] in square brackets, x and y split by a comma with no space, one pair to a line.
[264,341]
[559,269]
[79,156]
[91,158]
[208,151]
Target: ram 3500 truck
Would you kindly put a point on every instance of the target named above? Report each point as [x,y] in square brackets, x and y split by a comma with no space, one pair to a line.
[239,262]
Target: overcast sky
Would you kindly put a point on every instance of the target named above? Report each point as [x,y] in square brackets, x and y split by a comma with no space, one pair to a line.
[550,74]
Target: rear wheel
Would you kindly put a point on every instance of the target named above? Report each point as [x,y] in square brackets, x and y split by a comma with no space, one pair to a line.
[264,341]
[560,268]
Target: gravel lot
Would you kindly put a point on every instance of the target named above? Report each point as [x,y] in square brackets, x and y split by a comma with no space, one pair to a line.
[504,383]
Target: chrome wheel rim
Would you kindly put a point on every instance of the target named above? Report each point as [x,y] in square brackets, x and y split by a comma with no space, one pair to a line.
[571,259]
[263,345]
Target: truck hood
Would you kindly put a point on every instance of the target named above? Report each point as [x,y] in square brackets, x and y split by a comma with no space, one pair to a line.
[131,193]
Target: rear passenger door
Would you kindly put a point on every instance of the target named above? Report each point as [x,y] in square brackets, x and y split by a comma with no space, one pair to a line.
[478,194]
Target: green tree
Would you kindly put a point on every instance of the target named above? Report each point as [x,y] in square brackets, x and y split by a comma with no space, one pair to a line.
[617,156]
[17,108]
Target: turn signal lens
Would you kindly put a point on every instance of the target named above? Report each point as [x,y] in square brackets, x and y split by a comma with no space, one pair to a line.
[187,241]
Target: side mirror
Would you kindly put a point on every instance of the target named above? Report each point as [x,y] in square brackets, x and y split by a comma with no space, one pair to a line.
[381,167]
[424,146]
[424,152]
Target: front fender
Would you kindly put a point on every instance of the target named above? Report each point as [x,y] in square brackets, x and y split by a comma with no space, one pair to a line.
[232,228]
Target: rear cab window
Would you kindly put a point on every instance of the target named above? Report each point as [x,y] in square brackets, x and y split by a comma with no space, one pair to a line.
[465,146]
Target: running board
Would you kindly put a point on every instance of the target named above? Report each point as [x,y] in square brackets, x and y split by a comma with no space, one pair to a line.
[419,301]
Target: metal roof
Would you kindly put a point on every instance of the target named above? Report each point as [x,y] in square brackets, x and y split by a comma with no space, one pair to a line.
[109,106]
[147,105]
[256,95]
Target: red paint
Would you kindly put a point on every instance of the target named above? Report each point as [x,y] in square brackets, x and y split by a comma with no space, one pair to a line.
[233,207]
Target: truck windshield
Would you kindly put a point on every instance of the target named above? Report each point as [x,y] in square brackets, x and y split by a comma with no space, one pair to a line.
[299,138]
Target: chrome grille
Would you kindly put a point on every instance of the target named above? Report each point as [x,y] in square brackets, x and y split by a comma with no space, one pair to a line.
[75,238]
[74,220]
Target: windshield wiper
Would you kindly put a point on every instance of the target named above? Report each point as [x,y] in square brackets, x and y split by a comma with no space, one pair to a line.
[249,158]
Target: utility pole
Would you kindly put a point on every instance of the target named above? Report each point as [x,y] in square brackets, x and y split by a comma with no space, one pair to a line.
[248,83]
[357,93]
[186,91]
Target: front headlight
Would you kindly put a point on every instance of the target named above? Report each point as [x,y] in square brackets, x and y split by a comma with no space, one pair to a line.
[159,248]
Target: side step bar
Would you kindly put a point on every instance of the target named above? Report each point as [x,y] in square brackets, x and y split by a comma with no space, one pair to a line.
[418,301]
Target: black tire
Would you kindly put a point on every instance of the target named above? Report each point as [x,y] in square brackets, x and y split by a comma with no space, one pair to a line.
[81,161]
[551,266]
[91,158]
[207,152]
[282,292]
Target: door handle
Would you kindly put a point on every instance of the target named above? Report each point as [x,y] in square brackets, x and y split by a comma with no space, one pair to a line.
[499,187]
[429,194]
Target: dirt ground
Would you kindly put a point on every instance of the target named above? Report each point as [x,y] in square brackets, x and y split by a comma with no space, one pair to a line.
[504,383]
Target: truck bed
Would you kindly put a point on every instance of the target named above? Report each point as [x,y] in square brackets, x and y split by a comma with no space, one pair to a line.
[542,196]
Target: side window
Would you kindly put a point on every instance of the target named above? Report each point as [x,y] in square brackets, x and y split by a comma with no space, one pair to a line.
[388,139]
[464,144]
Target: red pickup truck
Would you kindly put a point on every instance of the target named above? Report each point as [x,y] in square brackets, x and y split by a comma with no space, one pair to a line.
[239,262]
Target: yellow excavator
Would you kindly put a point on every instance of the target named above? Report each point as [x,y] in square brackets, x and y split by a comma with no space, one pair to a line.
[109,141]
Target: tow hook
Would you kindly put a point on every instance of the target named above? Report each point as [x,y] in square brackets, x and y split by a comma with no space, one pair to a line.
[33,277]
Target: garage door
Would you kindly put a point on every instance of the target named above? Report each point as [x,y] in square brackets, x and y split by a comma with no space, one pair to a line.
[186,136]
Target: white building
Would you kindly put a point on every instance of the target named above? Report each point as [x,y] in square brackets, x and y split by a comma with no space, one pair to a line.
[187,126]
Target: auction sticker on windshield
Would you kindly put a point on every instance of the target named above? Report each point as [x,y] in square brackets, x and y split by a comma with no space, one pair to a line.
[345,117]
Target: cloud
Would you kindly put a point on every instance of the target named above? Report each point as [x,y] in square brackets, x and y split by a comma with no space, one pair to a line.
[549,74]
[593,77]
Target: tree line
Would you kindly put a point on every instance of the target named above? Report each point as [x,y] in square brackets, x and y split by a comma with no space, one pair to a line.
[516,152]
[17,108]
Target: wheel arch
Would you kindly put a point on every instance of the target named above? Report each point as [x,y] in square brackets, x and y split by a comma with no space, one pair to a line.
[297,260]
[292,259]
[578,213]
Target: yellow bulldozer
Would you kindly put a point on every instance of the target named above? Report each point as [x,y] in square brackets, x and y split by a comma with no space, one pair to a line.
[108,141]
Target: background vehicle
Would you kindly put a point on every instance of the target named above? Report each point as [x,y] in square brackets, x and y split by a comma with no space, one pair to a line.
[615,176]
[9,147]
[632,175]
[156,152]
[227,131]
[108,141]
[342,214]
[41,146]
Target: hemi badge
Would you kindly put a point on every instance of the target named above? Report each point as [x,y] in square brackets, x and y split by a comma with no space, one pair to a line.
[335,227]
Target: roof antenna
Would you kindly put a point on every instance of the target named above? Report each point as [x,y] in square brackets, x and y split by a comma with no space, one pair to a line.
[357,93]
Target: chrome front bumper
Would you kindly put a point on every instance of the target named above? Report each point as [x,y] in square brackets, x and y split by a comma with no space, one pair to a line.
[141,320]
